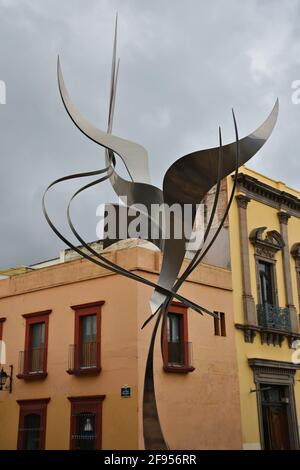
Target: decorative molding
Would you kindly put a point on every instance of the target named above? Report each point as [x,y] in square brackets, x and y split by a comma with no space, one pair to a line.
[262,192]
[88,305]
[37,314]
[36,402]
[86,398]
[271,366]
[249,331]
[268,246]
[295,252]
[275,338]
[283,217]
[267,335]
[242,200]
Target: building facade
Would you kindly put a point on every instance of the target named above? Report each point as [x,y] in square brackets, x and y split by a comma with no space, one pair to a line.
[264,233]
[73,336]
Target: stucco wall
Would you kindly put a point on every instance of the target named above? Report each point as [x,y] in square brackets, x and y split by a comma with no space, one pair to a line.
[195,407]
[118,356]
[200,409]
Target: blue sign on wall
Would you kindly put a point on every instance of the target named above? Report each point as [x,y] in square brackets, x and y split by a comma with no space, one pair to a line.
[125,391]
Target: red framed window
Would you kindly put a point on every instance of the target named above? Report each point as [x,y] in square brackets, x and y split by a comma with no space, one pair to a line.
[2,320]
[32,424]
[85,354]
[177,350]
[33,360]
[2,346]
[220,324]
[86,422]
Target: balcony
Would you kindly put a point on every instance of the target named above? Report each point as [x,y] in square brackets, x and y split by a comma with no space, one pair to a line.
[272,317]
[32,364]
[84,359]
[178,357]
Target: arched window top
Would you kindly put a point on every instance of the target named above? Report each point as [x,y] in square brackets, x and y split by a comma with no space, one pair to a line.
[266,244]
[295,251]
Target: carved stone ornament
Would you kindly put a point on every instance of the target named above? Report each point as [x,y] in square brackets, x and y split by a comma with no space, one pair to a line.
[268,246]
[295,252]
[242,200]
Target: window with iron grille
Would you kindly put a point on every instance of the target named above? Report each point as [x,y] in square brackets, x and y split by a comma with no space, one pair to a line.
[86,422]
[85,437]
[32,424]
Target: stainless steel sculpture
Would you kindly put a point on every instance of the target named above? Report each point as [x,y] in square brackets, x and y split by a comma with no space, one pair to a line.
[186,182]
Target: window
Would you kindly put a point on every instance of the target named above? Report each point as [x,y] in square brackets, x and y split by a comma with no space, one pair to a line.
[88,341]
[84,355]
[2,320]
[219,324]
[36,347]
[175,340]
[86,422]
[177,349]
[266,283]
[33,360]
[32,424]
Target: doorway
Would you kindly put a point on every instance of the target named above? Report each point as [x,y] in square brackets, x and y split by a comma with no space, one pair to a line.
[275,408]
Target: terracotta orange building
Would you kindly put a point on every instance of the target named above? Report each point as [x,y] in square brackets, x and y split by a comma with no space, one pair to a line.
[73,336]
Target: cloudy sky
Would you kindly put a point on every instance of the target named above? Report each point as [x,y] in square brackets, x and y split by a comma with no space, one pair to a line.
[183,65]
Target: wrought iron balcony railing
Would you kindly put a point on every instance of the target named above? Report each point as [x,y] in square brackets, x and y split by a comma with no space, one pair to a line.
[179,355]
[84,357]
[32,362]
[270,316]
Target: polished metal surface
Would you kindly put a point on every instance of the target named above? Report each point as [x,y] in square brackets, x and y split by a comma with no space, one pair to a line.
[187,181]
[190,178]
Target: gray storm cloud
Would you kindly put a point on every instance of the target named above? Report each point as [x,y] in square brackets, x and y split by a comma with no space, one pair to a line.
[183,66]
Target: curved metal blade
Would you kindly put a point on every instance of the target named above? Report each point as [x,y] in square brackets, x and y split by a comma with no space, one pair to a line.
[134,156]
[200,170]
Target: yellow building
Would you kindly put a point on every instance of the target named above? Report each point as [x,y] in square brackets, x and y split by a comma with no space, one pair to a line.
[264,232]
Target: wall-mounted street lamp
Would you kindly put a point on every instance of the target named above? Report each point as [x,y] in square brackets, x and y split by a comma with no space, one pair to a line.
[6,380]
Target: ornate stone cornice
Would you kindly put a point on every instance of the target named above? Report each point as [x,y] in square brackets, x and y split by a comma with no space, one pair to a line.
[267,335]
[267,365]
[255,189]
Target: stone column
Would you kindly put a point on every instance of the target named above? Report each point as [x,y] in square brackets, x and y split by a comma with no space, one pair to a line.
[283,220]
[250,315]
